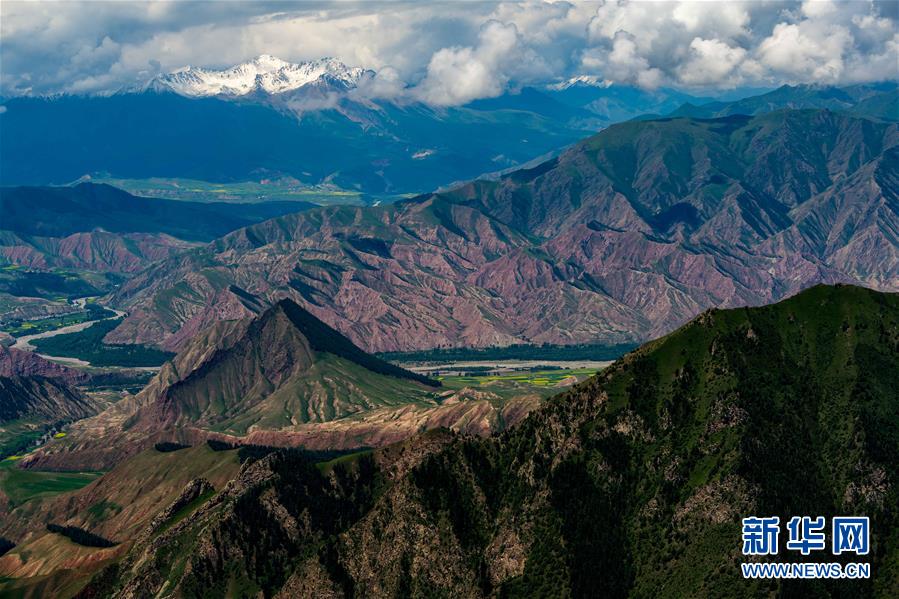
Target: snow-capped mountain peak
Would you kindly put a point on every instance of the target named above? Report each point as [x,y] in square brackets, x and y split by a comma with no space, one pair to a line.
[580,80]
[265,73]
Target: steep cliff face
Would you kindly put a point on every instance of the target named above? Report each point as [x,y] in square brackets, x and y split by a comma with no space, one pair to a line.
[16,362]
[623,237]
[41,399]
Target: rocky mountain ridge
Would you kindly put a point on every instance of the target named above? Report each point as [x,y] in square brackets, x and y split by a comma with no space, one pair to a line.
[621,238]
[281,379]
[41,399]
[20,363]
[100,228]
[632,483]
[264,74]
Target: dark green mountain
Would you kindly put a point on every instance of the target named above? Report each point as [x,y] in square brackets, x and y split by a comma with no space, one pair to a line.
[63,211]
[632,484]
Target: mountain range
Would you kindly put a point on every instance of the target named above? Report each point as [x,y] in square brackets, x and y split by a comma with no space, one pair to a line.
[630,484]
[310,121]
[319,123]
[101,228]
[620,238]
[877,101]
[85,207]
[263,75]
[751,246]
[285,379]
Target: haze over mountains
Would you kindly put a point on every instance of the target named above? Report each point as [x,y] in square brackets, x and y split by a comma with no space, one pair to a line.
[323,122]
[878,101]
[320,122]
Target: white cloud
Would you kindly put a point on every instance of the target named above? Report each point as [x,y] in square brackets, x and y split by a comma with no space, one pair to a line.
[623,63]
[818,8]
[711,62]
[727,20]
[721,45]
[461,74]
[385,83]
[454,52]
[801,52]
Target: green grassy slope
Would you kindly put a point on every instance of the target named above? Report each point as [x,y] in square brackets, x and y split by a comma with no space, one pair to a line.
[331,388]
[784,410]
[20,486]
[283,368]
[117,505]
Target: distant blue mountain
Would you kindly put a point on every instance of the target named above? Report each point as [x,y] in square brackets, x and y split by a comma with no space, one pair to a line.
[372,146]
[384,148]
[879,101]
[375,147]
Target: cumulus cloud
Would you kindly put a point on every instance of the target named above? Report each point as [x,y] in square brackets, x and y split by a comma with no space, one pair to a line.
[448,53]
[461,74]
[623,62]
[725,45]
[795,51]
[710,62]
[385,83]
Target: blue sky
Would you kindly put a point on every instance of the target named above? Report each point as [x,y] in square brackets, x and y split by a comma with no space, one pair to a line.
[448,53]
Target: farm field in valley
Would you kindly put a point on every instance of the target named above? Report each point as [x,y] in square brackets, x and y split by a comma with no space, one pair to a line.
[240,191]
[20,486]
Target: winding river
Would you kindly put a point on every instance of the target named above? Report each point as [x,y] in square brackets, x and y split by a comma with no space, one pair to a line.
[24,342]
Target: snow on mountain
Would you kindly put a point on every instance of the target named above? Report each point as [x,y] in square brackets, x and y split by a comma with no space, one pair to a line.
[265,73]
[584,80]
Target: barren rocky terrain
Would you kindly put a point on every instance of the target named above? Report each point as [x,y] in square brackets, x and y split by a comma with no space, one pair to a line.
[625,236]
